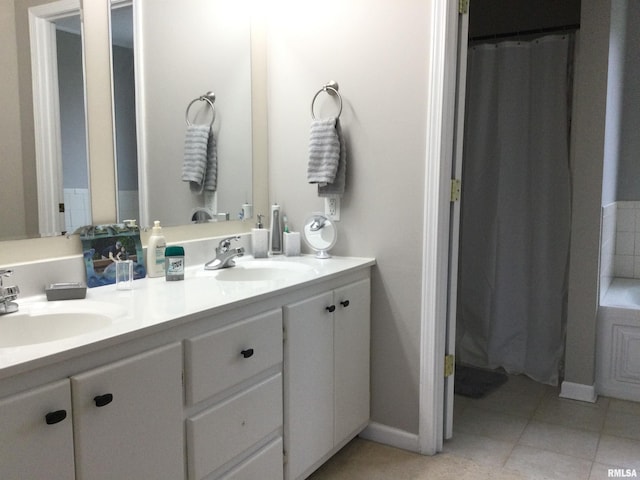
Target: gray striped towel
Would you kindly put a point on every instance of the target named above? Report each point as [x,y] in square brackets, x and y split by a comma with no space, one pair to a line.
[324,151]
[336,188]
[200,166]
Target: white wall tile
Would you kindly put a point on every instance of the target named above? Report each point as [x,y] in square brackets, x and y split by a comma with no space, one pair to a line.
[626,204]
[626,220]
[625,242]
[625,262]
[624,266]
[636,266]
[77,206]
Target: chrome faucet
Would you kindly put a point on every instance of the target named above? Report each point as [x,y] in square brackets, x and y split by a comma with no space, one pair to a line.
[225,255]
[8,294]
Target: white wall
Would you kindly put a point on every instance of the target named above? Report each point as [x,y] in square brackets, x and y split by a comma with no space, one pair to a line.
[377,52]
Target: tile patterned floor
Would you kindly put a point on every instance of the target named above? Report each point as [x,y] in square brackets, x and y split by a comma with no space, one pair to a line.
[541,435]
[522,430]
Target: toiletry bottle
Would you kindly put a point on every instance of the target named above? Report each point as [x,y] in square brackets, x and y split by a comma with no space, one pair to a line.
[276,230]
[155,251]
[259,239]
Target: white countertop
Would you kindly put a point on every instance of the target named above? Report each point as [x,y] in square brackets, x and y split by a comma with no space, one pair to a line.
[155,302]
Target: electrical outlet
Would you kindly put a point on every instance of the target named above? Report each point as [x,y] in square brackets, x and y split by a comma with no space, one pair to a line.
[332,208]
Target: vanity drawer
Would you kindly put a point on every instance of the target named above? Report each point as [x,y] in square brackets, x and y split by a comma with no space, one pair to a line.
[220,359]
[217,435]
[266,463]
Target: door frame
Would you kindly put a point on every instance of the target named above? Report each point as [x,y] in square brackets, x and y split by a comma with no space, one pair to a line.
[455,212]
[441,95]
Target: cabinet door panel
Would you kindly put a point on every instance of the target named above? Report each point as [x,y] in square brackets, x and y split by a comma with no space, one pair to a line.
[352,357]
[31,448]
[308,391]
[139,433]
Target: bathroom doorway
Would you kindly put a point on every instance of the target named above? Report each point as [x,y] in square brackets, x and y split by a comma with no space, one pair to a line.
[515,202]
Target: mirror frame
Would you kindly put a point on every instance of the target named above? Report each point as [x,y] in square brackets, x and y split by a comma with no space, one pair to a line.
[96,25]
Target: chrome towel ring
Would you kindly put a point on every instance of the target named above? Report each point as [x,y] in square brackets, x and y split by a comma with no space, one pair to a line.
[332,89]
[208,97]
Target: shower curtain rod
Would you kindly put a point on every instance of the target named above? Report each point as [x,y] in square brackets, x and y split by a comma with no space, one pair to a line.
[521,33]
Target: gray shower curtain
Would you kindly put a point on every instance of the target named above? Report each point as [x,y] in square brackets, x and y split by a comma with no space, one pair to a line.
[516,207]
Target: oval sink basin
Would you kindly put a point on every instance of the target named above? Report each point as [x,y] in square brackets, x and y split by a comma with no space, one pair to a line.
[50,321]
[18,329]
[260,271]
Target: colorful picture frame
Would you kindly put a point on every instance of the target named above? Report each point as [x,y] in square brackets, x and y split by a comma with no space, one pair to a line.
[104,245]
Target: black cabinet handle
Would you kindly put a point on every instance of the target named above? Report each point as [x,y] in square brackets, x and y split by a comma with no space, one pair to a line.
[247,353]
[331,308]
[344,303]
[102,400]
[55,417]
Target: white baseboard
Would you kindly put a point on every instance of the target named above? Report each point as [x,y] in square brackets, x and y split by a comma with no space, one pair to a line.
[578,391]
[391,436]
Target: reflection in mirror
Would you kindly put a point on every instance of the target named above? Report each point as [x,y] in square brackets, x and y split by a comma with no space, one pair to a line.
[57,70]
[42,82]
[190,48]
[124,114]
[73,138]
[232,64]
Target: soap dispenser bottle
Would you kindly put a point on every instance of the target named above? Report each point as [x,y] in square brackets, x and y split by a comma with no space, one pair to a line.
[276,230]
[155,251]
[259,239]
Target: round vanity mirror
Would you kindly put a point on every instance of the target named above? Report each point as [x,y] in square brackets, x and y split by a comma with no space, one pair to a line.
[320,234]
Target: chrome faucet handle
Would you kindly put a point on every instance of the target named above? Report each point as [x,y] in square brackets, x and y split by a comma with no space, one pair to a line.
[225,243]
[8,294]
[5,273]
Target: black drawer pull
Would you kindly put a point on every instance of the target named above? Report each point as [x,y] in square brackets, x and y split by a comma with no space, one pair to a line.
[345,303]
[247,353]
[102,400]
[331,308]
[55,417]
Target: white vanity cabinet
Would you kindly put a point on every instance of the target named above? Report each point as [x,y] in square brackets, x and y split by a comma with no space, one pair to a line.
[267,385]
[326,392]
[234,382]
[36,434]
[122,420]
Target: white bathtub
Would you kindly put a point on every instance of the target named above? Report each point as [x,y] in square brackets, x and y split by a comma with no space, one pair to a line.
[618,346]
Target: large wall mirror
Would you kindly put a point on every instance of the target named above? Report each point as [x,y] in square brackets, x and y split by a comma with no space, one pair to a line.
[44,185]
[175,61]
[166,56]
[183,50]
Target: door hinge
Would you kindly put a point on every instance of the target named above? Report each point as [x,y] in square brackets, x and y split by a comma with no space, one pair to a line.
[61,208]
[463,6]
[449,365]
[456,186]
